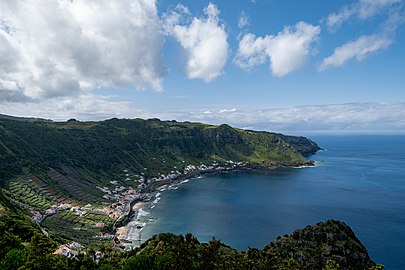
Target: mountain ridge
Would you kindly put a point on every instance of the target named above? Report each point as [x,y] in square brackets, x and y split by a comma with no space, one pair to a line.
[50,143]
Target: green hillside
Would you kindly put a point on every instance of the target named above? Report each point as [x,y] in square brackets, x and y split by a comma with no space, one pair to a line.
[47,166]
[115,144]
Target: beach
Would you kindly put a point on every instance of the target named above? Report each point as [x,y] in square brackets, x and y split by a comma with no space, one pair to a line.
[130,235]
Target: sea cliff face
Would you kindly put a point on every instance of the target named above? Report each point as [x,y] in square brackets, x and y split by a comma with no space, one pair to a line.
[303,145]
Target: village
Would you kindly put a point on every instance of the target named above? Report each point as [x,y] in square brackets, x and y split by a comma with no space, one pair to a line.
[123,197]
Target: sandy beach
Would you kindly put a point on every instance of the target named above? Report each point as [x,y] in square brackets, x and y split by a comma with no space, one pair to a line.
[130,235]
[123,232]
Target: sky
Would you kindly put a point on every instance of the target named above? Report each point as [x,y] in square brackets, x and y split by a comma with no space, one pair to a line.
[289,66]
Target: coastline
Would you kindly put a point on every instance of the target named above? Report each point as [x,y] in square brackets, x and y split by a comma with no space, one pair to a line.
[129,235]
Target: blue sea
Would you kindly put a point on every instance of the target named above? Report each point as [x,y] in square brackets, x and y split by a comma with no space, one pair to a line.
[358,179]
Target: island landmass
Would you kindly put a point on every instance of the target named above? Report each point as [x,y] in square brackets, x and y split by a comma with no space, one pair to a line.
[84,181]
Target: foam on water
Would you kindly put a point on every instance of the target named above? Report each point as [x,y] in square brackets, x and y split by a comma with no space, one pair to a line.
[142,213]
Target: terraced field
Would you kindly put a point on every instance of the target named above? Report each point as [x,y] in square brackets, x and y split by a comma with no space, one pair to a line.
[75,186]
[44,186]
[81,229]
[27,194]
[33,194]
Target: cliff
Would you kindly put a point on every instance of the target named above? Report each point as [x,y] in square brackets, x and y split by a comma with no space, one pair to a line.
[108,146]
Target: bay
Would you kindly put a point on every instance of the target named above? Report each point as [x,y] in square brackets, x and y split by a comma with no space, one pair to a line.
[358,179]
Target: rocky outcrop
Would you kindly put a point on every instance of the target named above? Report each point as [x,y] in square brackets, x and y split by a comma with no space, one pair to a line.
[303,145]
[314,245]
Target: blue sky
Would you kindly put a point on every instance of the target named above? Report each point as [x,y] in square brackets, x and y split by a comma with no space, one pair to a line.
[282,65]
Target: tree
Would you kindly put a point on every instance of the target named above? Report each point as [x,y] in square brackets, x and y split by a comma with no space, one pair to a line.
[138,262]
[377,267]
[8,241]
[331,265]
[40,254]
[14,259]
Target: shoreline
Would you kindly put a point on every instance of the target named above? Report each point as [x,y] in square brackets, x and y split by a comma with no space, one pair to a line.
[133,223]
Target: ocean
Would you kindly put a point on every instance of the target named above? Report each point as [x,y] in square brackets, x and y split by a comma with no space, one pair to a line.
[358,179]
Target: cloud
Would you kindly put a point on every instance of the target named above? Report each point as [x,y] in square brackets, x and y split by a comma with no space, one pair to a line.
[366,44]
[363,9]
[243,20]
[63,48]
[287,51]
[227,110]
[81,107]
[335,20]
[357,49]
[203,39]
[349,118]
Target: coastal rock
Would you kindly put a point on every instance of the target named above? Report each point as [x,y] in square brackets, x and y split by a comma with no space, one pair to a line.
[303,145]
[314,245]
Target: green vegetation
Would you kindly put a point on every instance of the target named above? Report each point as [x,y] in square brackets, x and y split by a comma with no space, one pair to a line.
[23,246]
[66,225]
[315,245]
[28,195]
[45,165]
[101,149]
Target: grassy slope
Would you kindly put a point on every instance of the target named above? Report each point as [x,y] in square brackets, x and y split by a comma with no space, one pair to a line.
[108,146]
[46,163]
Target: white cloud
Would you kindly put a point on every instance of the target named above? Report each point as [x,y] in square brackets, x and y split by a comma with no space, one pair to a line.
[227,110]
[357,50]
[366,44]
[243,20]
[204,41]
[61,48]
[369,8]
[251,51]
[337,118]
[335,20]
[81,107]
[363,9]
[287,51]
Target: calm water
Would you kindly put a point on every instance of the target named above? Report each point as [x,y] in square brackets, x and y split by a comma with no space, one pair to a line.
[359,179]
